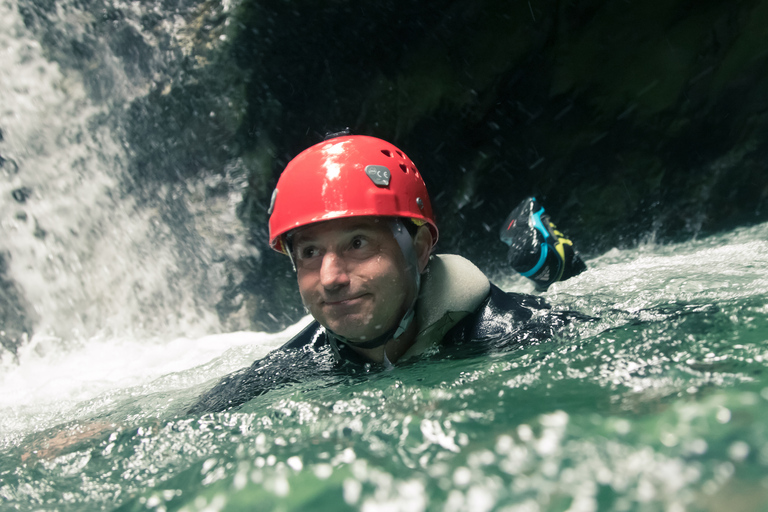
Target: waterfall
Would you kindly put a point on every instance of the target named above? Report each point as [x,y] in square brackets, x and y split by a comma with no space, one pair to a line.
[80,257]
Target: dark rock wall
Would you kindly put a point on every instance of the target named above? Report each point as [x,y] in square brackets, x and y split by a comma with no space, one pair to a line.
[629,120]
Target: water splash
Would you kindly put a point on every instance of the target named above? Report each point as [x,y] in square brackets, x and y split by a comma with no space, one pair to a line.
[86,258]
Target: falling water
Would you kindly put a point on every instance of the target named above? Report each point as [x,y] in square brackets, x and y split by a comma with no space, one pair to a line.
[82,256]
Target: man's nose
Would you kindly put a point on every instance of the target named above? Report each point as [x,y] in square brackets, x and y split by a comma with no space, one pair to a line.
[333,271]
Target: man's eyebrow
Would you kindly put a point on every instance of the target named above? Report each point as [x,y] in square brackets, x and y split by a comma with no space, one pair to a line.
[303,237]
[303,240]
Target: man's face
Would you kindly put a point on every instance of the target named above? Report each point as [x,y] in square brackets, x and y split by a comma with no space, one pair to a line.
[352,276]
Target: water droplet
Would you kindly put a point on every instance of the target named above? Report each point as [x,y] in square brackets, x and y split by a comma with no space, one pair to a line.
[738,451]
[462,476]
[295,463]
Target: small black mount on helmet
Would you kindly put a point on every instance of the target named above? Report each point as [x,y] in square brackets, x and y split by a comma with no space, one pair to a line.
[333,135]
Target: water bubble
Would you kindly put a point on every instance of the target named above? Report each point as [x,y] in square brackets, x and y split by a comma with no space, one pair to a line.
[295,463]
[323,471]
[504,444]
[548,443]
[462,476]
[604,476]
[738,451]
[556,419]
[698,446]
[208,465]
[622,427]
[723,415]
[645,490]
[525,432]
[240,481]
[346,457]
[280,486]
[724,471]
[748,398]
[352,490]
[481,458]
[479,499]
[433,432]
[668,439]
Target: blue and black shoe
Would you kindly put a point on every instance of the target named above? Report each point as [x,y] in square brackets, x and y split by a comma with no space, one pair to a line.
[536,249]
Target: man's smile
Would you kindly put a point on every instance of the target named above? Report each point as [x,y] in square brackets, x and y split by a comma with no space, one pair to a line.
[351,301]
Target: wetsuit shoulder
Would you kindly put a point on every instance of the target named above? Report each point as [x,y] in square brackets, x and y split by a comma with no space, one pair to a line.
[313,334]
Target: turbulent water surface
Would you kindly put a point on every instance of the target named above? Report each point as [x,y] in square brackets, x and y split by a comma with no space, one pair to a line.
[660,404]
[112,326]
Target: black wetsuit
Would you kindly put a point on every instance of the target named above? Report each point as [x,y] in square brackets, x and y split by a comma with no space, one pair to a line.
[502,321]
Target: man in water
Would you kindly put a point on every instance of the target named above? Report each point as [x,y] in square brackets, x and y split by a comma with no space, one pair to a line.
[354,216]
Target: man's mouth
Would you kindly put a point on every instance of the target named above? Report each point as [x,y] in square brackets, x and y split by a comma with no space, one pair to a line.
[349,301]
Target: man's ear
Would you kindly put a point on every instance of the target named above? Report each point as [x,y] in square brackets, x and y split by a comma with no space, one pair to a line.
[422,243]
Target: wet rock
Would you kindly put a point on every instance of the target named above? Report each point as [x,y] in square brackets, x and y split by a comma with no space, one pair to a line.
[22,194]
[16,323]
[9,166]
[39,232]
[625,119]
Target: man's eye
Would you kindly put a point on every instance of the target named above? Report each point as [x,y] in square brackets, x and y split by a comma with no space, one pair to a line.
[308,252]
[358,242]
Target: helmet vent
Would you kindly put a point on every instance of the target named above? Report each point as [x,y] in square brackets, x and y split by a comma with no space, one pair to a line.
[387,152]
[403,168]
[401,154]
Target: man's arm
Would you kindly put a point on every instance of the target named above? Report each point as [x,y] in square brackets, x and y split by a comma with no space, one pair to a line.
[537,250]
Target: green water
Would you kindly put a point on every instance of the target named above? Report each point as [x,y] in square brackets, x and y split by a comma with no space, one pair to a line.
[660,404]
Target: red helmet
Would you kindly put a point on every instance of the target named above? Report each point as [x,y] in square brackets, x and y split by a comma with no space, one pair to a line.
[348,176]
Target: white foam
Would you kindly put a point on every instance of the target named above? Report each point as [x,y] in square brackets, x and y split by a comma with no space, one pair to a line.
[50,373]
[725,265]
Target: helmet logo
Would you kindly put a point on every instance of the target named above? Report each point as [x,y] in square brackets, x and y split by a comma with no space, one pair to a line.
[379,175]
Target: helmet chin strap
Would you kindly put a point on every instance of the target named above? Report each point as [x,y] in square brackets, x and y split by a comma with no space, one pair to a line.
[405,241]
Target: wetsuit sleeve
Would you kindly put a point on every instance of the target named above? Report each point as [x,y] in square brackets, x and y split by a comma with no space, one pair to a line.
[302,357]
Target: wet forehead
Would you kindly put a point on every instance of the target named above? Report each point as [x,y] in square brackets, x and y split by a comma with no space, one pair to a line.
[341,227]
